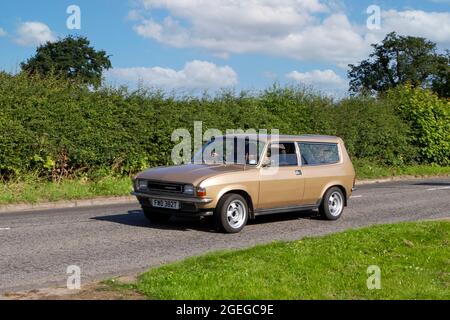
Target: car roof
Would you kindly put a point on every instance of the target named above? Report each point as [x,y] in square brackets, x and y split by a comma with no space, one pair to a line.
[287,138]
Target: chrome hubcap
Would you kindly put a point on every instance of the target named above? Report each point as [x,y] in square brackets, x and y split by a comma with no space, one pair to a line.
[236,214]
[335,204]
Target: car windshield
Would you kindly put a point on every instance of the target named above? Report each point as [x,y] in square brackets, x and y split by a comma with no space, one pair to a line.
[230,150]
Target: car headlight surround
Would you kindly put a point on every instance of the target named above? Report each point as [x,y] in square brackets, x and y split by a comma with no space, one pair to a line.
[189,189]
[141,185]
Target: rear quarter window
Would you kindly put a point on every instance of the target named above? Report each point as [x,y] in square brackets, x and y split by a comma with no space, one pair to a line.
[319,153]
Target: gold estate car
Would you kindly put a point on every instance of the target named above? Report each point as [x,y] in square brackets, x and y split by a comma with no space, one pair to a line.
[274,174]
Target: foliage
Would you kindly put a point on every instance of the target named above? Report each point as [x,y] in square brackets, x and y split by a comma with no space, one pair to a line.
[400,60]
[61,129]
[372,130]
[429,120]
[442,83]
[72,58]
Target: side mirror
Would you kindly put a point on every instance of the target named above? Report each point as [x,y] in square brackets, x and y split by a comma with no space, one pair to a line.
[266,163]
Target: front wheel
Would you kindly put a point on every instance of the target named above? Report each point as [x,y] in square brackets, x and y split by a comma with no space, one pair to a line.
[155,217]
[231,213]
[332,204]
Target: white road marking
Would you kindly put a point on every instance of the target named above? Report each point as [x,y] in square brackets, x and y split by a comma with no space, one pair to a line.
[355,197]
[3,229]
[435,189]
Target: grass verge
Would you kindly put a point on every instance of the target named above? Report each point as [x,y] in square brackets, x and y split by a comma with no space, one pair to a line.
[414,259]
[370,170]
[30,189]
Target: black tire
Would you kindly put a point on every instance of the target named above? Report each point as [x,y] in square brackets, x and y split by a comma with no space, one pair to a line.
[155,217]
[232,224]
[332,208]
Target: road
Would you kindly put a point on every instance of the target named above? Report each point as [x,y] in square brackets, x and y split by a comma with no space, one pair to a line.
[37,247]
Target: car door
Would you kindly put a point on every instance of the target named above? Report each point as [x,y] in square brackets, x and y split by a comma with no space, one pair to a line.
[320,165]
[281,183]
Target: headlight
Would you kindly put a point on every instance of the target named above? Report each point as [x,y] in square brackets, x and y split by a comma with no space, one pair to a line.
[141,185]
[188,189]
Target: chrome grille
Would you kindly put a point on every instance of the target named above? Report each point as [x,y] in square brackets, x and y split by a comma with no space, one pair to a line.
[165,187]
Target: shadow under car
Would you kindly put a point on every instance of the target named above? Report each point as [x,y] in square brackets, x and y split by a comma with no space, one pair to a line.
[136,218]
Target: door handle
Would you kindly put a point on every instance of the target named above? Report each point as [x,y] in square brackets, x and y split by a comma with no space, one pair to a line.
[298,172]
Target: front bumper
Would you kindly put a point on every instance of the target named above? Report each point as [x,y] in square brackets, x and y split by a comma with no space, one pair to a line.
[189,206]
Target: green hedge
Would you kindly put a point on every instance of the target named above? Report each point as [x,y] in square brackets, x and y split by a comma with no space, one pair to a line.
[429,120]
[61,129]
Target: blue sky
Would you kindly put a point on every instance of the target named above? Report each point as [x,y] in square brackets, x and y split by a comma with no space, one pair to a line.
[207,44]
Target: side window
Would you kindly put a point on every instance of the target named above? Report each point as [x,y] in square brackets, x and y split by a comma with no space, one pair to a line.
[282,154]
[319,153]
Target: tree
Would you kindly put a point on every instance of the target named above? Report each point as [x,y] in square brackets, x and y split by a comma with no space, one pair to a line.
[400,60]
[441,82]
[72,58]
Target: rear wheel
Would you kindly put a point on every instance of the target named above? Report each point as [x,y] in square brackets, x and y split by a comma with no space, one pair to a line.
[333,203]
[156,217]
[231,213]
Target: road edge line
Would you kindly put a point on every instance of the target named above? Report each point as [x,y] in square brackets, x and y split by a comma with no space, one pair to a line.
[398,179]
[63,204]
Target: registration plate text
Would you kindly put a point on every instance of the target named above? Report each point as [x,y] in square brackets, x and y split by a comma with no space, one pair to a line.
[166,204]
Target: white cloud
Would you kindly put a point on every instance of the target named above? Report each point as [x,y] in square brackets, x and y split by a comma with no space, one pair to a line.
[277,27]
[33,33]
[307,30]
[434,26]
[270,75]
[322,78]
[195,75]
[326,81]
[2,32]
[134,15]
